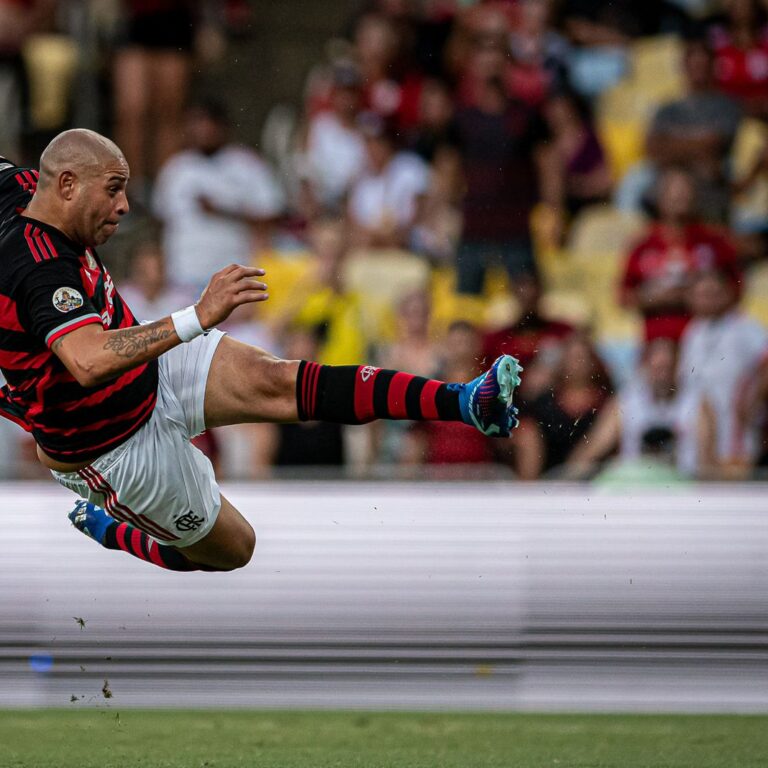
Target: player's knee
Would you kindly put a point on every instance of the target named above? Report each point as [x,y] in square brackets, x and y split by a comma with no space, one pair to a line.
[240,554]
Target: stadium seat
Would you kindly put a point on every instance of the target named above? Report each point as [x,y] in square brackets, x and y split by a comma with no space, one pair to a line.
[381,278]
[750,208]
[623,112]
[656,66]
[755,300]
[603,230]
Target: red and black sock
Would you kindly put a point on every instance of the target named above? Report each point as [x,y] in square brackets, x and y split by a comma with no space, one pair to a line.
[137,543]
[352,394]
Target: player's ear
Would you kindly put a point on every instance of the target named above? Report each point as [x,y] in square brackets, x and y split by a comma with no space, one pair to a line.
[67,184]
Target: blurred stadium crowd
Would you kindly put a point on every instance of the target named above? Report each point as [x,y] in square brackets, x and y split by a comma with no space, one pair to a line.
[579,183]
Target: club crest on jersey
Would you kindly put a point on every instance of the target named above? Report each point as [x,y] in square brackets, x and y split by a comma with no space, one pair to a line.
[67,299]
[367,372]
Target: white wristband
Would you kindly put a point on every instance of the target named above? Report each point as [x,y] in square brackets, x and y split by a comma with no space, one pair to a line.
[187,324]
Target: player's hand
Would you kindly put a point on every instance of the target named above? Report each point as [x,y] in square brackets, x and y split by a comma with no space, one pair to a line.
[232,286]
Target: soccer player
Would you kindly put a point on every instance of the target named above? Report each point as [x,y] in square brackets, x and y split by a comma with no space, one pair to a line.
[112,404]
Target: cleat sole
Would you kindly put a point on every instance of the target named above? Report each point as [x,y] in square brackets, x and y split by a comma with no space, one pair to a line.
[508,378]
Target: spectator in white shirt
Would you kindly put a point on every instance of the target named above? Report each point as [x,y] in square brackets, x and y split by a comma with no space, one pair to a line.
[217,200]
[724,364]
[648,403]
[334,151]
[384,203]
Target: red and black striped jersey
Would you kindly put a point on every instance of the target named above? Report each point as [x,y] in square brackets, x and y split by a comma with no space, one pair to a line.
[17,185]
[50,286]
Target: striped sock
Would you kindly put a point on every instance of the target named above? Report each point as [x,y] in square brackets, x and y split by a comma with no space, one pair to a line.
[351,394]
[134,542]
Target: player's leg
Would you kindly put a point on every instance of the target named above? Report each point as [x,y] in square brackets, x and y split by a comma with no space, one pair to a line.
[227,546]
[247,384]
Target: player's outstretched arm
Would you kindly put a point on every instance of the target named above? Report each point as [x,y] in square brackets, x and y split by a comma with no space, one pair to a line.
[94,356]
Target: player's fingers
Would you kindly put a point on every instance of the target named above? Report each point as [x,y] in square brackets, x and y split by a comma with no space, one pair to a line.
[249,297]
[248,284]
[240,272]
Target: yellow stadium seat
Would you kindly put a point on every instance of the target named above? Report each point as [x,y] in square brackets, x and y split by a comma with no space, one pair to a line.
[602,229]
[755,301]
[656,66]
[568,306]
[623,141]
[751,141]
[624,111]
[381,278]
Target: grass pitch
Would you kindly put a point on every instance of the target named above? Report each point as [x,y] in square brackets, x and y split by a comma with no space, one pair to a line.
[110,738]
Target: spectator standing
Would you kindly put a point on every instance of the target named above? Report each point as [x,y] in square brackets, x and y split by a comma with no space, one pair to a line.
[660,266]
[217,200]
[504,169]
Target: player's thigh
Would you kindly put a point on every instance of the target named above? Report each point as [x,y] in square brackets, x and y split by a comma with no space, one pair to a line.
[247,384]
[229,544]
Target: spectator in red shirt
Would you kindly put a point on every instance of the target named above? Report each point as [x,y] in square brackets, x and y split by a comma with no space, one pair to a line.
[660,267]
[740,45]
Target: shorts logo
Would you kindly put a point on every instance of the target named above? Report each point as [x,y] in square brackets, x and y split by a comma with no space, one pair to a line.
[67,299]
[367,372]
[189,522]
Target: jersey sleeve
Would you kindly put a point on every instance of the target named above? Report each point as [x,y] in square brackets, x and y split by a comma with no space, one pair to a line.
[53,301]
[17,185]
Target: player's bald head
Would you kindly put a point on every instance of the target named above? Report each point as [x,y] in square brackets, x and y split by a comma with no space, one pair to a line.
[80,151]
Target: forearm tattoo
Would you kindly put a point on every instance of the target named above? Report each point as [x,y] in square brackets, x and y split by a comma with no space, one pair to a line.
[132,342]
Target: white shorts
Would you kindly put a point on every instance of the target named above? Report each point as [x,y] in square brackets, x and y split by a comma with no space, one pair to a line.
[157,480]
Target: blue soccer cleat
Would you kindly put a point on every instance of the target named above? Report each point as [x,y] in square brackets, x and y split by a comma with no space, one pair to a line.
[486,402]
[91,520]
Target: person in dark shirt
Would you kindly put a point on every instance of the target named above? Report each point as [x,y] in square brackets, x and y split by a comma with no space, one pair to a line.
[559,419]
[113,404]
[500,141]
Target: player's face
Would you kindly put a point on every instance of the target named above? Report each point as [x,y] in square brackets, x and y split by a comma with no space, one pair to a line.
[103,202]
